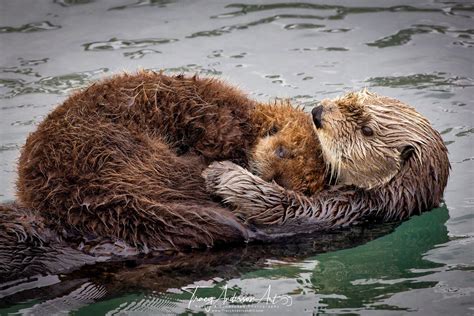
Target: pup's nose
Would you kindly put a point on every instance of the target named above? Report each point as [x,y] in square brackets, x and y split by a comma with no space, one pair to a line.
[316,113]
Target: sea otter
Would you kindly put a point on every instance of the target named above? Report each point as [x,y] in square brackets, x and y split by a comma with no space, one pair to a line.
[123,159]
[388,161]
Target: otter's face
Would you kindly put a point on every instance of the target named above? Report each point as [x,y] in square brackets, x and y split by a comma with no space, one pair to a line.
[364,138]
[289,154]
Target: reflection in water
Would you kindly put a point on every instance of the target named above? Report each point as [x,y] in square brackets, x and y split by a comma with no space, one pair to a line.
[388,265]
[360,276]
[30,27]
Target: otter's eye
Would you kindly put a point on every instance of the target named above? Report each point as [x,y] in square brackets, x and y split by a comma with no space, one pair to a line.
[367,131]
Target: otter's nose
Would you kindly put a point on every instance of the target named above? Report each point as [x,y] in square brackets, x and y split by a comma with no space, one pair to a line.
[316,113]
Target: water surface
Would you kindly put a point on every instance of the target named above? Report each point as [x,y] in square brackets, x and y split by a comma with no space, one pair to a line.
[419,52]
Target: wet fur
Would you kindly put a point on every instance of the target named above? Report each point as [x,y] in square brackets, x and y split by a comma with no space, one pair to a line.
[123,159]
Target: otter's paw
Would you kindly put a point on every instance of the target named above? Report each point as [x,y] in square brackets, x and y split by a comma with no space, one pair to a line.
[215,174]
[251,196]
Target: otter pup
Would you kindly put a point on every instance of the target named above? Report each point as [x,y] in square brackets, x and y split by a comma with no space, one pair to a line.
[388,160]
[123,159]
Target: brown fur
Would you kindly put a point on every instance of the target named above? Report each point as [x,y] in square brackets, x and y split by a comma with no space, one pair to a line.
[28,247]
[290,156]
[124,157]
[401,170]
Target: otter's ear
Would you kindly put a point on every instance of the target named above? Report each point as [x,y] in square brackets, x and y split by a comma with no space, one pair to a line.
[406,152]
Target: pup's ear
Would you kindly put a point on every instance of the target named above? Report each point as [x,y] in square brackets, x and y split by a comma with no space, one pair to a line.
[406,152]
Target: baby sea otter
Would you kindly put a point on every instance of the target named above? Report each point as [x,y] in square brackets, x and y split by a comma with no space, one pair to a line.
[123,159]
[388,160]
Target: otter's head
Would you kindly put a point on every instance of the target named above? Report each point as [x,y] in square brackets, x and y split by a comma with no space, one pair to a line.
[368,140]
[287,150]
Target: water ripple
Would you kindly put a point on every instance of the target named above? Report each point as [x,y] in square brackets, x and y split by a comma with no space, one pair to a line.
[321,48]
[22,106]
[9,146]
[243,26]
[32,62]
[405,35]
[422,81]
[191,69]
[25,68]
[143,3]
[68,3]
[337,12]
[340,11]
[35,120]
[115,43]
[140,53]
[54,84]
[219,53]
[465,133]
[20,71]
[30,27]
[303,26]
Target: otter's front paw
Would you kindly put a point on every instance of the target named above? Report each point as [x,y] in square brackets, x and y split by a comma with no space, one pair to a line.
[216,173]
[251,197]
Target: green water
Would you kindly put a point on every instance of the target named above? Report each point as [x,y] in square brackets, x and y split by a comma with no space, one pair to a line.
[419,52]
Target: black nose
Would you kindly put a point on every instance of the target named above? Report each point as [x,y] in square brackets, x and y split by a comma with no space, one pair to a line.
[316,113]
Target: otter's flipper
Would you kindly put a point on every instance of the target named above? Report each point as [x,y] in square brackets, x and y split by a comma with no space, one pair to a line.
[28,247]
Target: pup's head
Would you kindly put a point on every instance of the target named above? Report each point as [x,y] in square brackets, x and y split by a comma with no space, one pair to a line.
[287,150]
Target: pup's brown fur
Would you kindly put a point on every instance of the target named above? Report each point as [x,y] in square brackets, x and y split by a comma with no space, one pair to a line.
[124,157]
[291,156]
[389,161]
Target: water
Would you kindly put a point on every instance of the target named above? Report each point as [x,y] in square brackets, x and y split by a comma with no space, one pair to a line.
[420,53]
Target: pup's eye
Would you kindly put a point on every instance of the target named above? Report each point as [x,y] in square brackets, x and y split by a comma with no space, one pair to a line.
[282,152]
[367,131]
[273,131]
